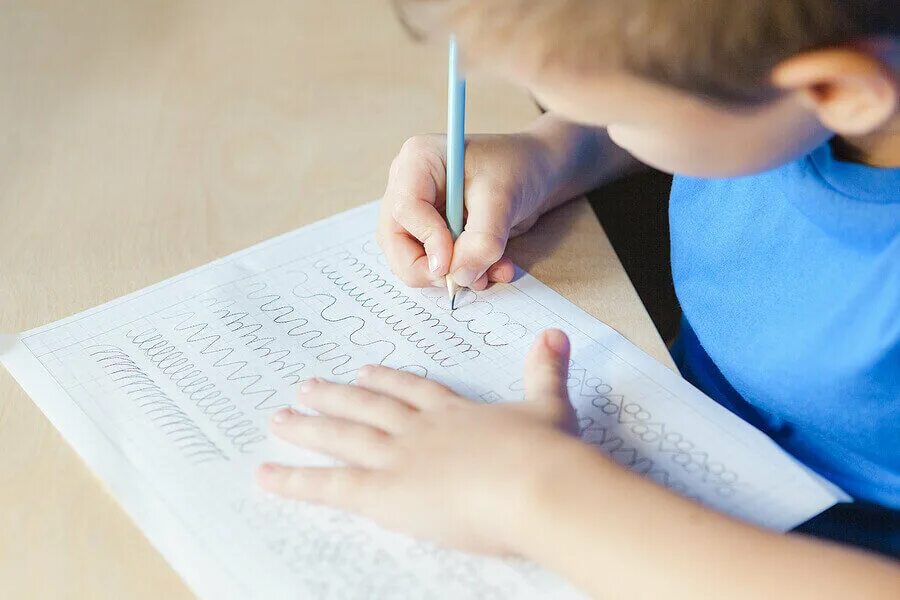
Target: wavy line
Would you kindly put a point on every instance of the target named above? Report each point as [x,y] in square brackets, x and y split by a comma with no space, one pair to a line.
[165,413]
[313,339]
[486,308]
[220,410]
[397,310]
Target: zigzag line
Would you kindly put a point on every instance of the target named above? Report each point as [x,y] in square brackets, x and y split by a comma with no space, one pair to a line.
[656,433]
[239,322]
[209,346]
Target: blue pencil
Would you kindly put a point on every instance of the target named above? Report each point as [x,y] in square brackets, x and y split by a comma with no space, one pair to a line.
[456,152]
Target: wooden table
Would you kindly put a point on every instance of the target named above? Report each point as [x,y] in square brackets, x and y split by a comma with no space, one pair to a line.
[140,139]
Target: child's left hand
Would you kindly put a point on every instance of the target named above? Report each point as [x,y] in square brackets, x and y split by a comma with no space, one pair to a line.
[423,460]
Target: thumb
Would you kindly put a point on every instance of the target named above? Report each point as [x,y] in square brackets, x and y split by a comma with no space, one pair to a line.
[546,376]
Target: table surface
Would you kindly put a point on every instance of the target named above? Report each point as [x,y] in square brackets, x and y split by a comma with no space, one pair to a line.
[140,139]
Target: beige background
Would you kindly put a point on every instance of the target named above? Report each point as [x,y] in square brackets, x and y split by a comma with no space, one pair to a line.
[139,139]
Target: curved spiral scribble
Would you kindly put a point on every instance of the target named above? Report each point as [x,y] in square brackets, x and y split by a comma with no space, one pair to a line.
[218,408]
[164,412]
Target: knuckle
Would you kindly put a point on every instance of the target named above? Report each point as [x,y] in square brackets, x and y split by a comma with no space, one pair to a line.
[396,413]
[411,148]
[421,155]
[416,145]
[400,209]
[427,233]
[373,445]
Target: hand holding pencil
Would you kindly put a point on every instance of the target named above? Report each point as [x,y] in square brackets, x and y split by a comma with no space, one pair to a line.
[504,194]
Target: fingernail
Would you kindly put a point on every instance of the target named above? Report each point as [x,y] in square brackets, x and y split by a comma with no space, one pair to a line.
[284,415]
[556,340]
[308,385]
[364,371]
[433,263]
[465,276]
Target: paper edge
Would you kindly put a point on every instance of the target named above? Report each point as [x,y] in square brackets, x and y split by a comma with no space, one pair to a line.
[147,511]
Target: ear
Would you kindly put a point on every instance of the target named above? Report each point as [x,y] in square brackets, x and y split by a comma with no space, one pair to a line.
[852,90]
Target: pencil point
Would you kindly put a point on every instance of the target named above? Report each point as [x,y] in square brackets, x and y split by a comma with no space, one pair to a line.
[451,291]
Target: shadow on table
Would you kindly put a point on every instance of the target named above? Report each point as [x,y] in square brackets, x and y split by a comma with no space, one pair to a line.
[635,214]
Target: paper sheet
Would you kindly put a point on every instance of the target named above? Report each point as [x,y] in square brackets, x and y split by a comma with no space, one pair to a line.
[165,393]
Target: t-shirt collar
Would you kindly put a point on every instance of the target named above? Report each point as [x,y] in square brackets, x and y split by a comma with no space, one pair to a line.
[863,182]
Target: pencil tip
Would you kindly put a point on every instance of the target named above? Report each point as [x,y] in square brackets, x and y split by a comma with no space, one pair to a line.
[451,292]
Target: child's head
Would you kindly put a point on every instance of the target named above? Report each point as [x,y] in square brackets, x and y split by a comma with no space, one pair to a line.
[706,87]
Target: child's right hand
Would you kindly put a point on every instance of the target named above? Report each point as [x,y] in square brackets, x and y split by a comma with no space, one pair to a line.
[505,185]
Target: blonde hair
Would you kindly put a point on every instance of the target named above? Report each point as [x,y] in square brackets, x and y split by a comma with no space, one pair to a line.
[721,49]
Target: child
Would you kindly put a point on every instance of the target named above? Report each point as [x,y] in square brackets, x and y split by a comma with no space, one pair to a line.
[781,120]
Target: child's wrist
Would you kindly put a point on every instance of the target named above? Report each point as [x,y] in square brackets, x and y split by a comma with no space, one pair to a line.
[579,158]
[546,166]
[556,143]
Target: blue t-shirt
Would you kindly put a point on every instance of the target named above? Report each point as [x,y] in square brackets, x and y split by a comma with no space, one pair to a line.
[790,285]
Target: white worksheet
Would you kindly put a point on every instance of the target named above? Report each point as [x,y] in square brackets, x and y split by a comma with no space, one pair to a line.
[166,392]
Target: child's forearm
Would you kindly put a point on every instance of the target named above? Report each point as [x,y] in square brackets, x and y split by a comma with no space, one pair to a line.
[580,158]
[617,535]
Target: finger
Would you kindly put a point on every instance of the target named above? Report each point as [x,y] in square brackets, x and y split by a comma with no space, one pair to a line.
[356,404]
[503,271]
[414,193]
[412,389]
[480,284]
[347,441]
[473,253]
[423,222]
[347,488]
[484,239]
[404,253]
[546,373]
[408,260]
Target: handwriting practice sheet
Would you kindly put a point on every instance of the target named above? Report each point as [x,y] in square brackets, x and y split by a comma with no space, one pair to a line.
[166,394]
